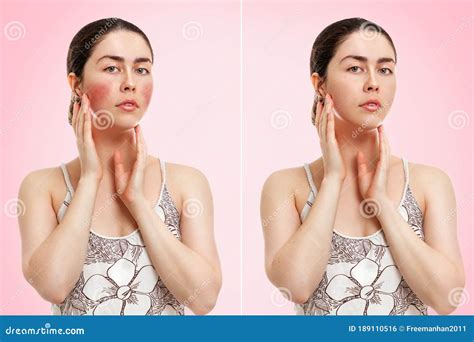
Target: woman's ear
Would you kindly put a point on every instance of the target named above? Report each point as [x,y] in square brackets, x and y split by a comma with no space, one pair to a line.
[318,84]
[74,84]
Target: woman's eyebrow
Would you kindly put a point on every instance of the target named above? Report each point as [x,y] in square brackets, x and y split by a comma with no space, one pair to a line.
[121,59]
[364,59]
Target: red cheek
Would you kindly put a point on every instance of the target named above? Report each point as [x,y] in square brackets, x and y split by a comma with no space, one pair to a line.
[147,91]
[98,94]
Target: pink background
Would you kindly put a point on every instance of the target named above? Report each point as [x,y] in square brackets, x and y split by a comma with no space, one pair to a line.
[434,76]
[193,118]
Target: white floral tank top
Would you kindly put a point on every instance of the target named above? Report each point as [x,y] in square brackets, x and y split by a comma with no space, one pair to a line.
[361,277]
[118,277]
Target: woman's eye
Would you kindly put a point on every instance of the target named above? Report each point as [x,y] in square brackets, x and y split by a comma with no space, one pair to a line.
[143,71]
[110,68]
[386,71]
[353,69]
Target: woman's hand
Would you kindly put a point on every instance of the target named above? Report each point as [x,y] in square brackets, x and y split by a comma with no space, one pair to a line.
[373,184]
[324,121]
[129,184]
[82,124]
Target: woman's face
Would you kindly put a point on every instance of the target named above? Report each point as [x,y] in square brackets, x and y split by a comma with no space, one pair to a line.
[119,69]
[362,69]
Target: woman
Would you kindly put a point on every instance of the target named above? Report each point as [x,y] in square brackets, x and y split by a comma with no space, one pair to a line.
[115,231]
[361,231]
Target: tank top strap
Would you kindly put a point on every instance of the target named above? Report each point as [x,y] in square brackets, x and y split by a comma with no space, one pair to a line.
[67,179]
[406,170]
[309,175]
[163,171]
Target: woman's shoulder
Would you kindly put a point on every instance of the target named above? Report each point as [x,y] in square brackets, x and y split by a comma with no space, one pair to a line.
[288,180]
[42,178]
[430,180]
[427,174]
[184,177]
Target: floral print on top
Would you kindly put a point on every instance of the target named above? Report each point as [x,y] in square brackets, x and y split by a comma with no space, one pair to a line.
[118,277]
[361,277]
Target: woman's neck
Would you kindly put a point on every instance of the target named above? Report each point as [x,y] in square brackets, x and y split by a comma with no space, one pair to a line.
[351,140]
[107,142]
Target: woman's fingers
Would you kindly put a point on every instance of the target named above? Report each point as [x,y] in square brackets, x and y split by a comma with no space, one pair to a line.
[324,121]
[318,112]
[80,127]
[88,127]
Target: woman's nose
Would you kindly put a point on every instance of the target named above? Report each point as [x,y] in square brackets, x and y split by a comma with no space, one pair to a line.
[371,84]
[128,83]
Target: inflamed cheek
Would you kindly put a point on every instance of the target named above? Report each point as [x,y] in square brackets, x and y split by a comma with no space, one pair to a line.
[98,94]
[146,93]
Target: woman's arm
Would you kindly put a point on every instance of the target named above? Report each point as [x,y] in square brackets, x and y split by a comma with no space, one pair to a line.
[190,268]
[296,254]
[432,268]
[53,255]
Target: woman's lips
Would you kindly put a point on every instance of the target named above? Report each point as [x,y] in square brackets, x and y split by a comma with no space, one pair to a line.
[128,107]
[371,107]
